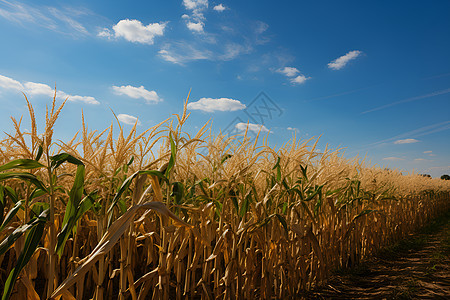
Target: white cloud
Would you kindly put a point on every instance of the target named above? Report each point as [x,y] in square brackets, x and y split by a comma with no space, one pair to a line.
[291,73]
[340,62]
[392,158]
[428,152]
[420,159]
[197,7]
[406,141]
[197,27]
[288,71]
[36,89]
[135,31]
[9,83]
[137,92]
[219,104]
[195,4]
[293,129]
[85,99]
[251,127]
[128,119]
[219,7]
[299,79]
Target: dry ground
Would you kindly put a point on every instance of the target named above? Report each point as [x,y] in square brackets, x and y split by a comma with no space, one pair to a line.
[415,268]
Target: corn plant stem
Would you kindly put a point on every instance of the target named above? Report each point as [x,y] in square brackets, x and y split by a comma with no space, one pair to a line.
[129,262]
[73,265]
[123,277]
[52,237]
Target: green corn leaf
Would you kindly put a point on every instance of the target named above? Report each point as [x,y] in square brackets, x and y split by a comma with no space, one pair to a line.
[59,159]
[11,194]
[177,192]
[304,172]
[24,176]
[8,241]
[317,190]
[235,203]
[278,168]
[173,155]
[244,206]
[39,154]
[11,214]
[38,208]
[21,164]
[31,244]
[2,202]
[72,208]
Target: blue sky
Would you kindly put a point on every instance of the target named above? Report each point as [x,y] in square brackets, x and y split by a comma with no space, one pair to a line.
[373,77]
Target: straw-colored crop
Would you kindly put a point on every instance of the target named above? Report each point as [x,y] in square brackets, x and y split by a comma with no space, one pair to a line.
[213,217]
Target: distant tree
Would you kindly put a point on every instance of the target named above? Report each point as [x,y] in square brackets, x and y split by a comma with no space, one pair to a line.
[445,177]
[425,175]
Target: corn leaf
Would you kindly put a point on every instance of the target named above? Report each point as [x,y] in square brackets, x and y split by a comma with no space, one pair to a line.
[72,209]
[24,176]
[21,164]
[59,159]
[31,244]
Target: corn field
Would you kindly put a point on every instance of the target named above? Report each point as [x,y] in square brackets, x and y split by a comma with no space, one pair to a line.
[166,215]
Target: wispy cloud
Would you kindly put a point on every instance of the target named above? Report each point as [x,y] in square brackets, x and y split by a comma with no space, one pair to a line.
[416,133]
[437,93]
[134,31]
[339,94]
[233,50]
[251,127]
[219,104]
[393,158]
[183,52]
[342,61]
[137,93]
[406,141]
[232,40]
[42,89]
[66,20]
[429,153]
[128,119]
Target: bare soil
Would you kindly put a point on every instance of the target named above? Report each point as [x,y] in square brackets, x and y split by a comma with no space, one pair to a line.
[415,268]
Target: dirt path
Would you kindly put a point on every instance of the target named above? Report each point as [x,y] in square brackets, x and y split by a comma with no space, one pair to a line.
[416,268]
